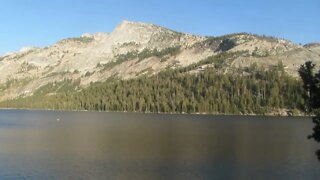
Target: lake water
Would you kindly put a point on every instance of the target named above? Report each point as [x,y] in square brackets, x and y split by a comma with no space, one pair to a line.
[87,145]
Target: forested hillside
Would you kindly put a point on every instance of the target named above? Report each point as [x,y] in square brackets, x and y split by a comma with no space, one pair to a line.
[205,87]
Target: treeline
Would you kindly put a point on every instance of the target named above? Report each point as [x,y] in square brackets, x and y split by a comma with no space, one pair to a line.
[178,91]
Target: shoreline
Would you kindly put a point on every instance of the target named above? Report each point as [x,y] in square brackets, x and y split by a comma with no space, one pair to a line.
[164,113]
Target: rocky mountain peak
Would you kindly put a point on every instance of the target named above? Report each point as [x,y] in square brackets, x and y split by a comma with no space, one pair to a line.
[131,26]
[126,23]
[137,32]
[136,48]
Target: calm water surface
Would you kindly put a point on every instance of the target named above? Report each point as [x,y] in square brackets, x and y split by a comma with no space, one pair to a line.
[85,145]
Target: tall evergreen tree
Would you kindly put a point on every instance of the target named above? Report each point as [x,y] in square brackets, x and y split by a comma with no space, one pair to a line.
[311,83]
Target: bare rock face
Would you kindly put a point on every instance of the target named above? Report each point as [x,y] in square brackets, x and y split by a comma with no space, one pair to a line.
[261,46]
[133,49]
[127,32]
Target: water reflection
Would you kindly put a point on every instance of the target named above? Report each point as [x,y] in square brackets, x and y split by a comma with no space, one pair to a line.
[146,146]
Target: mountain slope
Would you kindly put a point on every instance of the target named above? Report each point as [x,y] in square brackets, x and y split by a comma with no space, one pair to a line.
[133,49]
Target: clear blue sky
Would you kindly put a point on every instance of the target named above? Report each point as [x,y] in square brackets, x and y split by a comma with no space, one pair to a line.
[42,22]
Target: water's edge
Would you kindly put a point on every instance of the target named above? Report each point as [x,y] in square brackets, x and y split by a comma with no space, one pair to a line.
[274,114]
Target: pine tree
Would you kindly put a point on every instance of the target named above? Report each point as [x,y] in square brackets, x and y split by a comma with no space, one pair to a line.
[311,83]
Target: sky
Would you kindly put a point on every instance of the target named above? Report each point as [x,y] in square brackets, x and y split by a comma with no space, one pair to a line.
[39,23]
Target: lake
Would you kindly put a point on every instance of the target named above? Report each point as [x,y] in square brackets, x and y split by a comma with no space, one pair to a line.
[93,145]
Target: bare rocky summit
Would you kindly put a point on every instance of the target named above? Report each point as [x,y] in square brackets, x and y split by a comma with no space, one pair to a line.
[133,49]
